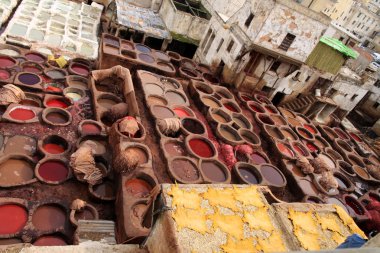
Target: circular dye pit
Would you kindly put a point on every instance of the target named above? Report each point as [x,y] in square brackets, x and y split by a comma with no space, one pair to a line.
[54,87]
[201,148]
[156,100]
[184,170]
[182,112]
[256,107]
[284,149]
[30,102]
[174,148]
[4,74]
[361,172]
[137,153]
[12,218]
[169,83]
[202,87]
[50,240]
[294,122]
[6,62]
[307,187]
[31,69]
[231,107]
[193,126]
[162,56]
[257,158]
[36,57]
[58,102]
[57,117]
[80,69]
[91,129]
[142,48]
[346,168]
[310,128]
[138,188]
[341,134]
[53,171]
[210,102]
[49,217]
[304,133]
[54,144]
[29,78]
[266,119]
[271,109]
[300,149]
[174,97]
[246,98]
[84,214]
[220,116]
[241,121]
[152,88]
[162,112]
[55,74]
[189,72]
[353,206]
[228,133]
[356,137]
[289,134]
[20,113]
[272,175]
[146,58]
[341,183]
[250,137]
[104,190]
[210,78]
[107,102]
[15,171]
[248,175]
[312,147]
[214,171]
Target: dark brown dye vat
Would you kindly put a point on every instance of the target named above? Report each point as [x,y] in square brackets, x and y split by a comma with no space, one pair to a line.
[84,214]
[162,112]
[49,217]
[353,206]
[185,170]
[174,148]
[273,175]
[57,118]
[213,171]
[193,126]
[105,189]
[266,120]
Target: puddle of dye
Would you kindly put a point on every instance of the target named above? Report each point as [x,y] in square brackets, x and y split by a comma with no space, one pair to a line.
[257,159]
[34,57]
[310,129]
[57,103]
[74,96]
[31,69]
[4,74]
[210,103]
[22,114]
[341,183]
[272,175]
[138,188]
[201,148]
[285,150]
[213,172]
[53,171]
[89,128]
[181,112]
[14,171]
[12,218]
[6,62]
[174,97]
[311,147]
[80,70]
[138,153]
[56,117]
[162,112]
[49,217]
[185,170]
[28,78]
[53,148]
[353,206]
[104,189]
[230,107]
[174,148]
[248,175]
[84,214]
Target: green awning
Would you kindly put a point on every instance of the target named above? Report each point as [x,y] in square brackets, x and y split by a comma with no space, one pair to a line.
[339,46]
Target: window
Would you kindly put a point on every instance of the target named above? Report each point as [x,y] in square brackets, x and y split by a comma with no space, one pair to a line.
[287,42]
[353,22]
[375,105]
[220,45]
[353,97]
[210,41]
[275,66]
[359,15]
[307,78]
[341,38]
[249,20]
[230,45]
[206,38]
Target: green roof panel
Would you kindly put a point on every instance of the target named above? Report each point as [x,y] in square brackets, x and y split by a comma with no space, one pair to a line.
[339,46]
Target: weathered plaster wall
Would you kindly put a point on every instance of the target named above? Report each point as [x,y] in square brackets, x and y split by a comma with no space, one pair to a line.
[283,20]
[181,22]
[225,7]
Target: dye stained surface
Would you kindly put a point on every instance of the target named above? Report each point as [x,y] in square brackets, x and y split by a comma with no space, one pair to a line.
[20,144]
[49,217]
[15,171]
[12,218]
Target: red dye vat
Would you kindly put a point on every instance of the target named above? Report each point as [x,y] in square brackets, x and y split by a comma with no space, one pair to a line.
[270,109]
[138,188]
[34,57]
[53,148]
[50,240]
[310,129]
[12,218]
[32,69]
[246,98]
[22,114]
[341,134]
[285,150]
[57,103]
[79,69]
[181,112]
[256,108]
[53,171]
[89,128]
[312,147]
[299,150]
[201,148]
[230,107]
[355,137]
[53,89]
[4,74]
[6,62]
[304,133]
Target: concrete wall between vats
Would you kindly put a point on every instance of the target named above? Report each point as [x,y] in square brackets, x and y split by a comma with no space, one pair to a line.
[149,4]
[181,22]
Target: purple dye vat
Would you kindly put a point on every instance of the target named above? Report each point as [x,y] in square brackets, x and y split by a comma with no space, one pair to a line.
[29,78]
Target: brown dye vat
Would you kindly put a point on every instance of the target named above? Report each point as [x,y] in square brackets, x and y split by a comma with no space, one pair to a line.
[355,160]
[285,149]
[266,119]
[330,132]
[344,145]
[361,172]
[300,149]
[346,168]
[341,133]
[162,112]
[271,109]
[104,190]
[374,159]
[57,118]
[274,132]
[170,83]
[304,133]
[156,100]
[278,120]
[214,171]
[229,133]
[153,88]
[111,50]
[294,122]
[272,175]
[49,217]
[307,187]
[286,113]
[85,214]
[174,148]
[138,153]
[219,118]
[335,155]
[289,134]
[250,137]
[193,126]
[77,82]
[15,171]
[241,121]
[149,77]
[29,102]
[202,87]
[220,115]
[256,107]
[302,119]
[353,206]
[185,170]
[175,97]
[20,144]
[210,102]
[297,171]
[106,102]
[320,143]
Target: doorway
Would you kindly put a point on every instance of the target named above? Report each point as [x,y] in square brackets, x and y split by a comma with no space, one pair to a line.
[277,99]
